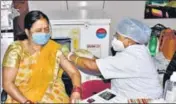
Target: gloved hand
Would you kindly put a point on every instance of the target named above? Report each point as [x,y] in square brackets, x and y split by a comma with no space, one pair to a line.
[65,50]
[84,53]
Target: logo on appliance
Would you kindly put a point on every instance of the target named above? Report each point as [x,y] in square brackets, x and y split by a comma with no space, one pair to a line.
[101,33]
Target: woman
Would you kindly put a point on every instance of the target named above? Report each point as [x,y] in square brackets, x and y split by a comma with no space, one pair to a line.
[31,66]
[132,72]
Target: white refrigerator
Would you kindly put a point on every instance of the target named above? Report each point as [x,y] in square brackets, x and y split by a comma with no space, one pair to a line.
[90,34]
[85,34]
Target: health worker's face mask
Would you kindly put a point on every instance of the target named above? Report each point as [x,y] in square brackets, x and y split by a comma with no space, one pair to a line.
[40,38]
[117,45]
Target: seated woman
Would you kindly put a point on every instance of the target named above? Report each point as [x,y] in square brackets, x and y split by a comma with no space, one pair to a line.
[31,66]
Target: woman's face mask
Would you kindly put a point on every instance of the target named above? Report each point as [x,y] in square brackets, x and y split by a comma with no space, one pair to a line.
[117,45]
[40,38]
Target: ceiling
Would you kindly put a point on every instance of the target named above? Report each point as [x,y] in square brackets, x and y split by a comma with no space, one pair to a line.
[66,5]
[85,4]
[75,9]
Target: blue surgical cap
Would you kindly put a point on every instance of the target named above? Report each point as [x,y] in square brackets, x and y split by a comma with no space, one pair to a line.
[135,30]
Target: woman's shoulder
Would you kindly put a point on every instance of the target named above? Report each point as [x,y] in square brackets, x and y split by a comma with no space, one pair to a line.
[16,45]
[17,42]
[54,42]
[58,45]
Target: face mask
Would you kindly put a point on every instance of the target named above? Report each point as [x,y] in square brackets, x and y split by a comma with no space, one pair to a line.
[40,38]
[117,45]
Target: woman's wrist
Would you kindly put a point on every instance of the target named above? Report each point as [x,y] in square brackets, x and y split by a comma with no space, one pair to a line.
[77,89]
[28,102]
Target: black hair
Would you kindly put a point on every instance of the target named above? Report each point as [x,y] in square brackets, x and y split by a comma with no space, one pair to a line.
[32,17]
[20,36]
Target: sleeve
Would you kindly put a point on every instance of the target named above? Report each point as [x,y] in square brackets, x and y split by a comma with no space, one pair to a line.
[12,56]
[119,66]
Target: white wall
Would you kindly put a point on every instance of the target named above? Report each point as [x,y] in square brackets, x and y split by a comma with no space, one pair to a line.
[116,10]
[119,9]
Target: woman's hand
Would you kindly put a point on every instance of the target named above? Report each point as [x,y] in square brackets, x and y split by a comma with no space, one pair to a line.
[75,97]
[28,102]
[84,53]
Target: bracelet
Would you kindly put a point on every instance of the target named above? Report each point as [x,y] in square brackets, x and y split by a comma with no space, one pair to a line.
[76,60]
[77,89]
[69,55]
[28,102]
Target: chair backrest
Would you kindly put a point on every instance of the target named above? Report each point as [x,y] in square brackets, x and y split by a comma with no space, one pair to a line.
[3,96]
[167,42]
[92,87]
[67,82]
[156,29]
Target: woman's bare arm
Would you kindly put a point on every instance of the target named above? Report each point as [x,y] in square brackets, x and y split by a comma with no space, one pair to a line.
[71,70]
[8,80]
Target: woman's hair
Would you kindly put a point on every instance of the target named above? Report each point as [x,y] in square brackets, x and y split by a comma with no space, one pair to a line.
[32,17]
[20,36]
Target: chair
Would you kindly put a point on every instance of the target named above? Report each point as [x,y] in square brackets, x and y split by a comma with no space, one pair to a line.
[68,83]
[3,96]
[170,69]
[92,87]
[113,52]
